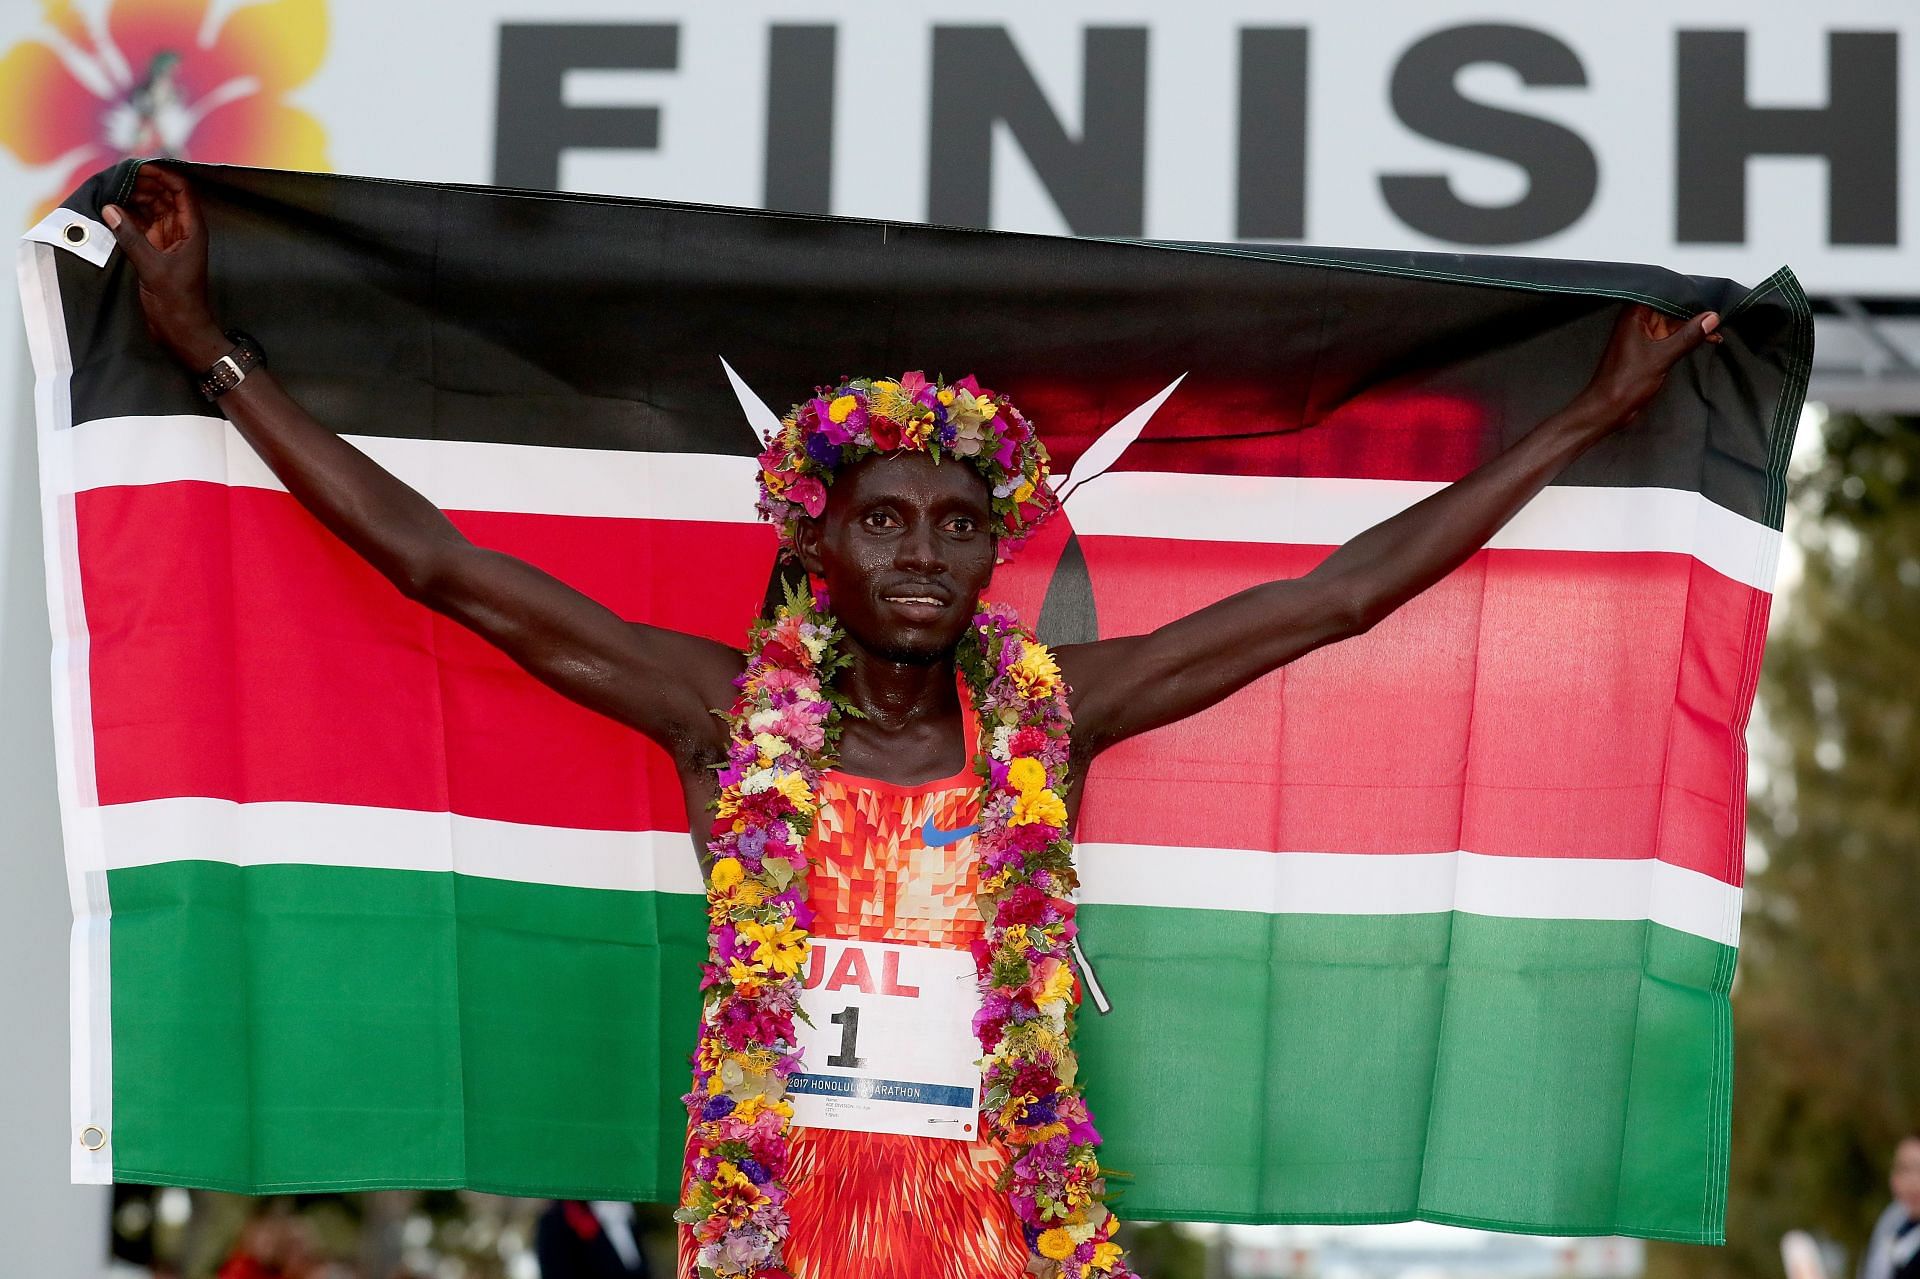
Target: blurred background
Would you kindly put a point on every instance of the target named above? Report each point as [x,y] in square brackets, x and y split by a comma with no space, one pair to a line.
[1706,137]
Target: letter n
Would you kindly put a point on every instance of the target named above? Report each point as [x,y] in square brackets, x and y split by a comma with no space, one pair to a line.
[1097,180]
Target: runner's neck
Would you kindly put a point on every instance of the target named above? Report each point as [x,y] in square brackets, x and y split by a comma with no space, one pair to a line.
[912,718]
[896,696]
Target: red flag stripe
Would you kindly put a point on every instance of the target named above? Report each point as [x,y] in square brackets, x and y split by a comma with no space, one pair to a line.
[1580,699]
[203,601]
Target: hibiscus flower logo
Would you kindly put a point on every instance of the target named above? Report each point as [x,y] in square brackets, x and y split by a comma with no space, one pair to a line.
[151,78]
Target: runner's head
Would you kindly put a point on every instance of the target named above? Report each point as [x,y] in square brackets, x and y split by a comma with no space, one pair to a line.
[902,494]
[904,546]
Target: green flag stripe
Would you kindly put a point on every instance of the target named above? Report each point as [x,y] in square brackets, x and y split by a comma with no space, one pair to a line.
[293,1027]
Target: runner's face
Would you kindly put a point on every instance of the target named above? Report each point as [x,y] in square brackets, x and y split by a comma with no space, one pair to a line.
[1906,1175]
[905,547]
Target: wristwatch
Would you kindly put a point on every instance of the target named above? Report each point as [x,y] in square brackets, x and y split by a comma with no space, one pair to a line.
[231,369]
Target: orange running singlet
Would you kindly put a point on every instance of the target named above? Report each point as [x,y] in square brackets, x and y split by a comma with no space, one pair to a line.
[875,1205]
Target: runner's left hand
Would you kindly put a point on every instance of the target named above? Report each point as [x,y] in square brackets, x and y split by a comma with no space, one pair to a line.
[1642,350]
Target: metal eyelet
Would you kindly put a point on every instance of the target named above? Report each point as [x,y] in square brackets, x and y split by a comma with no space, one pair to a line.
[76,233]
[93,1137]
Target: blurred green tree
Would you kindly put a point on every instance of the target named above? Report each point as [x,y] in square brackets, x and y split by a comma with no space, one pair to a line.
[1826,1006]
[1161,1250]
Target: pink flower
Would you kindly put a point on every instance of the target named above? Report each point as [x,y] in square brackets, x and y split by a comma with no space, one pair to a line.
[811,494]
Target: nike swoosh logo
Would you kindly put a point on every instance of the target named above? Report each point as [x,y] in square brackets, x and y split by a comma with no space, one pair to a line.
[933,837]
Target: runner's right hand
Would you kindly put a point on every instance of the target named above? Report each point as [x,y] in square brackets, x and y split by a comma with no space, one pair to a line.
[165,241]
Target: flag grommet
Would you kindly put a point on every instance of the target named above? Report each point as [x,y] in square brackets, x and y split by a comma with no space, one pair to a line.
[93,1137]
[76,233]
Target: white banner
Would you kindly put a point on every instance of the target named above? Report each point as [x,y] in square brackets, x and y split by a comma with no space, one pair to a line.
[1714,139]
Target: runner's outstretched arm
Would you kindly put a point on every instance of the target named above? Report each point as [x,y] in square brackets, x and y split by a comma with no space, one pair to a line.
[661,682]
[1129,685]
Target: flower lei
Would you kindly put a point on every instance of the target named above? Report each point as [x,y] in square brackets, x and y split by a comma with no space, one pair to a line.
[782,731]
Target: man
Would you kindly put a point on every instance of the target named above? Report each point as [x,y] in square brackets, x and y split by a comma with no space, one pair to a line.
[1894,1250]
[582,1240]
[897,496]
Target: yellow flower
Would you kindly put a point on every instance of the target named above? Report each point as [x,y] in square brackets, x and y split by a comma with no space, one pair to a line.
[1027,775]
[996,882]
[1011,1111]
[1039,808]
[780,947]
[885,400]
[1058,986]
[1055,1244]
[841,408]
[734,1192]
[727,874]
[795,788]
[1024,492]
[945,395]
[1105,1254]
[1036,672]
[769,746]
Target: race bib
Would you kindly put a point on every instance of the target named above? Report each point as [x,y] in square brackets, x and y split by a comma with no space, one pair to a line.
[891,1047]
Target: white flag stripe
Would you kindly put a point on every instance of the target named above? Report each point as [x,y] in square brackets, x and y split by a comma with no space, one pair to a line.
[466,476]
[90,950]
[456,475]
[1326,511]
[271,834]
[194,829]
[1410,884]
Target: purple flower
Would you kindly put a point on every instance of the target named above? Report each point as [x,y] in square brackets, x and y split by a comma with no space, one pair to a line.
[823,450]
[717,1107]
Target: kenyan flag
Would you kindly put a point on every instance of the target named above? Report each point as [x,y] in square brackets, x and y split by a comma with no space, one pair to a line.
[1436,923]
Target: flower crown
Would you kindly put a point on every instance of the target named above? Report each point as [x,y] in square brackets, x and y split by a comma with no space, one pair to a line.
[864,416]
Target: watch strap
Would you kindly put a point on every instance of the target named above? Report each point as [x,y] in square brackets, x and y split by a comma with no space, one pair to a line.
[231,369]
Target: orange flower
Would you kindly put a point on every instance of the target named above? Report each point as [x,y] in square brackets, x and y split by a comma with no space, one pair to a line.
[151,80]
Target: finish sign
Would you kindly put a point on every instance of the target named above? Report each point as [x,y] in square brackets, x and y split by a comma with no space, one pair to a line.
[891,1047]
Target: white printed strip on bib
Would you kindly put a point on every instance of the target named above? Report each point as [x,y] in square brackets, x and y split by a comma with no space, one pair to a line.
[891,1047]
